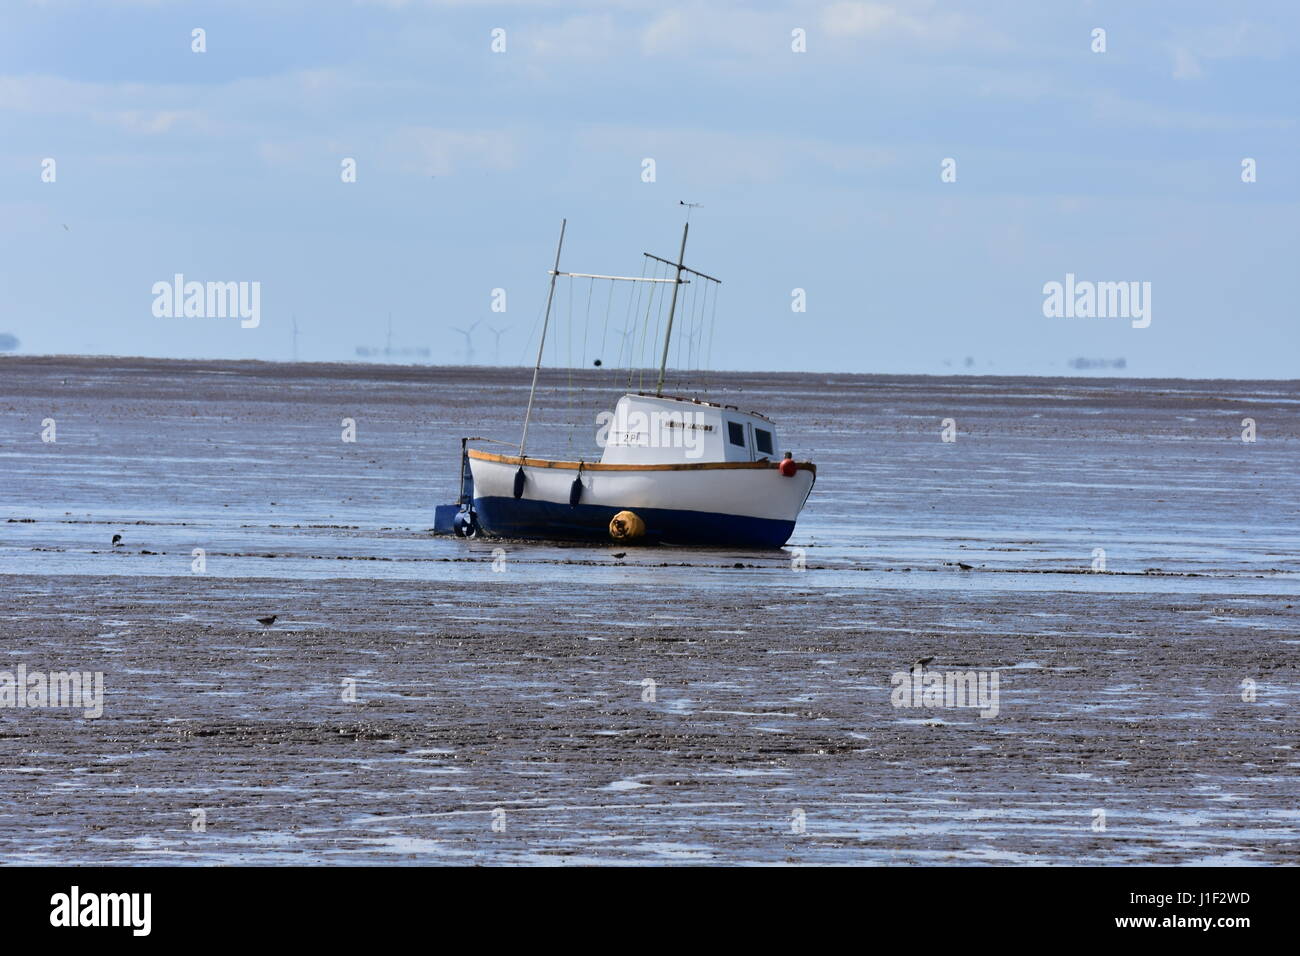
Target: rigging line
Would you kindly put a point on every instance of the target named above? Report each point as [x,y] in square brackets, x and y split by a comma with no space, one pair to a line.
[568,414]
[582,371]
[536,322]
[699,328]
[539,323]
[706,335]
[690,323]
[568,336]
[691,363]
[685,300]
[586,322]
[645,327]
[634,325]
[609,303]
[700,324]
[700,348]
[713,324]
[631,328]
[659,320]
[648,341]
[699,336]
[638,337]
[629,325]
[693,353]
[651,341]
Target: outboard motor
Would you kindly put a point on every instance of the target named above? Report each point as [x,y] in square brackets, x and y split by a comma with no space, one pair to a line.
[465,524]
[459,519]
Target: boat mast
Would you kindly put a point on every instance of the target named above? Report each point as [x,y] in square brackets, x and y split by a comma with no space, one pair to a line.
[677,284]
[542,344]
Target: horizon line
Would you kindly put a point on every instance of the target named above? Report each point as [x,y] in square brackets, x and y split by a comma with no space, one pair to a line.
[584,369]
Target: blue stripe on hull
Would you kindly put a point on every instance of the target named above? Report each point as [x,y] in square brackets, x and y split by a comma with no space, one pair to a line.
[522,518]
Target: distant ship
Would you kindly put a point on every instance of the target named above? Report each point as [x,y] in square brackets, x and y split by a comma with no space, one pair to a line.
[673,470]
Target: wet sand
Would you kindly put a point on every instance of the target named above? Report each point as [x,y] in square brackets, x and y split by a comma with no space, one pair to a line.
[511,677]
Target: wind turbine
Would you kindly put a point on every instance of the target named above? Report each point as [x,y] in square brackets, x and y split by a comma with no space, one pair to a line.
[622,343]
[469,341]
[692,338]
[496,354]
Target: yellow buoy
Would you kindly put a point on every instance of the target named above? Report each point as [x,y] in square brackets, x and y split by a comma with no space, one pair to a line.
[626,525]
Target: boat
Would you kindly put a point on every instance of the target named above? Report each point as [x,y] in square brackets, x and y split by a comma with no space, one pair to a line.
[673,469]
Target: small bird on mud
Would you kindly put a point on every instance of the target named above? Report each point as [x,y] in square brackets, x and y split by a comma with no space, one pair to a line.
[267,620]
[117,539]
[922,662]
[965,567]
[621,554]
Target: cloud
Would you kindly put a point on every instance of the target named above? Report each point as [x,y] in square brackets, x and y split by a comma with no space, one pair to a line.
[587,37]
[710,157]
[433,151]
[668,33]
[1110,107]
[854,18]
[1186,66]
[153,122]
[1240,40]
[50,94]
[914,22]
[1229,41]
[718,30]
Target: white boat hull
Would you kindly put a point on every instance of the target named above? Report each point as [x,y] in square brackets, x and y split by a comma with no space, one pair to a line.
[742,504]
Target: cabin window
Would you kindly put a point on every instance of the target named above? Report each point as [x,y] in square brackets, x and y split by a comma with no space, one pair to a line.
[736,432]
[763,441]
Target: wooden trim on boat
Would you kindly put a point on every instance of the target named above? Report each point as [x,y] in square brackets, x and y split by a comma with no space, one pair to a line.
[597,466]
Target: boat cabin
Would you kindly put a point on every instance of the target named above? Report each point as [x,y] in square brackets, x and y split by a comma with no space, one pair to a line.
[649,429]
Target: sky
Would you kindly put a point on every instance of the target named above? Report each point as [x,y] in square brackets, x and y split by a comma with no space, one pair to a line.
[922,171]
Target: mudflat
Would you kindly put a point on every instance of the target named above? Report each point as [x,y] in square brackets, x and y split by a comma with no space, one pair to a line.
[1111,550]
